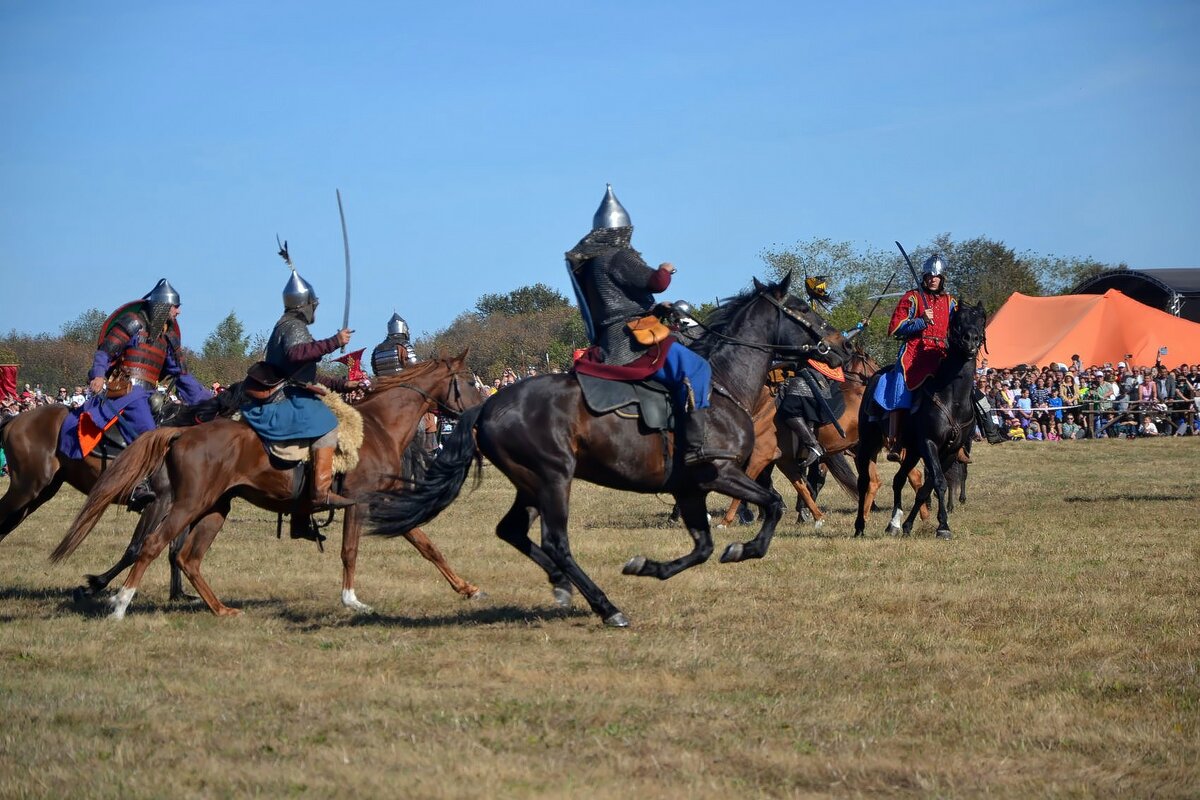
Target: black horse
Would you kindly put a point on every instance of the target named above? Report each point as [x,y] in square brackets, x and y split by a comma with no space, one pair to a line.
[541,435]
[940,423]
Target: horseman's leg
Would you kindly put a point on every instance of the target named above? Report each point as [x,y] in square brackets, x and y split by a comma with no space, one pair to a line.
[321,493]
[695,516]
[553,502]
[136,419]
[810,447]
[689,377]
[203,532]
[514,529]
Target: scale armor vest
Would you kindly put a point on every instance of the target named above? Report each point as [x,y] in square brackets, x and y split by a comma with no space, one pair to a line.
[392,355]
[143,360]
[290,331]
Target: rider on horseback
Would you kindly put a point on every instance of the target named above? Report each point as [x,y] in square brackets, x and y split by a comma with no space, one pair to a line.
[616,288]
[922,322]
[395,352]
[139,345]
[295,410]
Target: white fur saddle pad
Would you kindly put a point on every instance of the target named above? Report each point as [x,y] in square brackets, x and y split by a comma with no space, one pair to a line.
[349,437]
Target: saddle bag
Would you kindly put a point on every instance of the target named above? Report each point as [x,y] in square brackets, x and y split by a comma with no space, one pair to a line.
[648,330]
[262,382]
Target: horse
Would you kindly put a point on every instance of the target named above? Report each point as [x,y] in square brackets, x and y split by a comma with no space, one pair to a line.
[541,435]
[770,448]
[209,465]
[939,425]
[37,470]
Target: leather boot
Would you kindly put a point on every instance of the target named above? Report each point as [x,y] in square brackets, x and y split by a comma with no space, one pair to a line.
[983,418]
[322,496]
[694,431]
[808,440]
[892,440]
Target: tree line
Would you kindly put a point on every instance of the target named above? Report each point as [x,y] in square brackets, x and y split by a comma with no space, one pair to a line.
[537,326]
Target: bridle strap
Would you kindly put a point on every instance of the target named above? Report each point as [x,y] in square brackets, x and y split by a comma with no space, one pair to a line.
[433,400]
[821,347]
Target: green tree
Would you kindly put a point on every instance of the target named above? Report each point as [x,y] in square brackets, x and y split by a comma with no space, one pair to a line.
[84,329]
[525,300]
[227,340]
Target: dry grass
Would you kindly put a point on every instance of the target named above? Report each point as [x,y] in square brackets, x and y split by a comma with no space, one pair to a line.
[1052,648]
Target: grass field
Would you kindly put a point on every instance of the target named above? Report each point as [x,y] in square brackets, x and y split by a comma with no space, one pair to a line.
[1052,648]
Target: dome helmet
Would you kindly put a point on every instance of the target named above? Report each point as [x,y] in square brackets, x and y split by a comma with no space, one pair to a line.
[935,265]
[610,214]
[684,313]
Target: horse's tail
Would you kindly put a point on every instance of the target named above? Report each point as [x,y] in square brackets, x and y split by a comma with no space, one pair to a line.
[397,513]
[133,466]
[839,468]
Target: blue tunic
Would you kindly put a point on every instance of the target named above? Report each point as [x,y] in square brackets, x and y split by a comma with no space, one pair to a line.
[298,416]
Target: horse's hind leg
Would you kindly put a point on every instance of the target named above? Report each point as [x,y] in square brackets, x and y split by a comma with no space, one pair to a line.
[514,529]
[27,491]
[149,519]
[192,553]
[158,538]
[695,516]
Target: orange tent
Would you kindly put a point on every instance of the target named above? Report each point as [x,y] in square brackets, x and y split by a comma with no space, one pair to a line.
[1099,328]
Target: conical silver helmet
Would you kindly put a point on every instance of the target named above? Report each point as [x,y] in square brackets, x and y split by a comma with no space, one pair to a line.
[610,214]
[163,292]
[298,292]
[397,325]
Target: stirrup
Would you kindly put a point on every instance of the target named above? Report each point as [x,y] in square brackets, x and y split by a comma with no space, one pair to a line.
[141,496]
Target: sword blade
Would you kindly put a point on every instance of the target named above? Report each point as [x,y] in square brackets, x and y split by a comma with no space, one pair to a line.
[346,248]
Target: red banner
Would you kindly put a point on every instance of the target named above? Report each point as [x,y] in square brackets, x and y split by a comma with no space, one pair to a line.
[8,380]
[353,362]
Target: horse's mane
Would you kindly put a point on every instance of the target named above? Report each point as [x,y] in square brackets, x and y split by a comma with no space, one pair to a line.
[726,314]
[380,385]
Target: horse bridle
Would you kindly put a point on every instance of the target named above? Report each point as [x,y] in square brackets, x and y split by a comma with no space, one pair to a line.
[443,407]
[821,347]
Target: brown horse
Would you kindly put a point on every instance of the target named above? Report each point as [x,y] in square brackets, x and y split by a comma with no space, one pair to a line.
[211,464]
[770,448]
[37,471]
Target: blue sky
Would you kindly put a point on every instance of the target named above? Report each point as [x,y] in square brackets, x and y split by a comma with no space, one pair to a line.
[472,143]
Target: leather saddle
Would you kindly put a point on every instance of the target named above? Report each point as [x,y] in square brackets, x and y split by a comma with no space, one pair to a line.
[648,401]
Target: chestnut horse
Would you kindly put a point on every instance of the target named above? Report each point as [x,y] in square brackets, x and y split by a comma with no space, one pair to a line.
[769,448]
[37,470]
[209,465]
[542,436]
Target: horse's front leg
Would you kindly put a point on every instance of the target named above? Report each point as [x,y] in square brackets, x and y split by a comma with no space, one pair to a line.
[727,478]
[695,516]
[553,501]
[895,523]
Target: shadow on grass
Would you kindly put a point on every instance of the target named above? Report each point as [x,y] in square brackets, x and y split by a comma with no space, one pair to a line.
[1127,498]
[79,602]
[490,615]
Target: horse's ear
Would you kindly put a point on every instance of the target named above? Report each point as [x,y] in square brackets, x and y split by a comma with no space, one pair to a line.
[461,358]
[785,285]
[758,287]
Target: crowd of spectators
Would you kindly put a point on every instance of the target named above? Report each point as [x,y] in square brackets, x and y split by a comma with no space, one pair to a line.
[33,396]
[1061,402]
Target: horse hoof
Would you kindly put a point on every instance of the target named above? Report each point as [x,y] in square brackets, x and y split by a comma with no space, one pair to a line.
[732,553]
[94,584]
[634,566]
[944,533]
[562,596]
[818,524]
[892,530]
[226,611]
[617,620]
[478,594]
[720,526]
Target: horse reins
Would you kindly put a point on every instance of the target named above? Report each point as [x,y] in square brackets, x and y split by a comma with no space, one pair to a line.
[433,400]
[822,347]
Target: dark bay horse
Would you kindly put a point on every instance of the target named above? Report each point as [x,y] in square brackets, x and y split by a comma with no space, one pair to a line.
[37,470]
[939,425]
[540,434]
[209,465]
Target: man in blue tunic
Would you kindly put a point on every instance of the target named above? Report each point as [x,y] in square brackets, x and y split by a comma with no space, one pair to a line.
[295,410]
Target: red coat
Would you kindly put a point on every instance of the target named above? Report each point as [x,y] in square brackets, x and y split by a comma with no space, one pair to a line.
[925,347]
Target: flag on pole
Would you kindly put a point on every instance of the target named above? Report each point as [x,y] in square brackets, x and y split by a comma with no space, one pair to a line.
[353,362]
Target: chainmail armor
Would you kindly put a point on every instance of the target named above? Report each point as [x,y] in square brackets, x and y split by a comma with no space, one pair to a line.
[608,270]
[290,331]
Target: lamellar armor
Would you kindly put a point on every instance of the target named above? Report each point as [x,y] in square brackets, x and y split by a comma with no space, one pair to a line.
[290,330]
[135,347]
[394,353]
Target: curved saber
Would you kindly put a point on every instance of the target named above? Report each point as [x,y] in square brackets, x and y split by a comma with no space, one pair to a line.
[346,247]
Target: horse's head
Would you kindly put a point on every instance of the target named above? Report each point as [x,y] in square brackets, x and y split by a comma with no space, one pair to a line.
[802,332]
[968,329]
[464,390]
[447,383]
